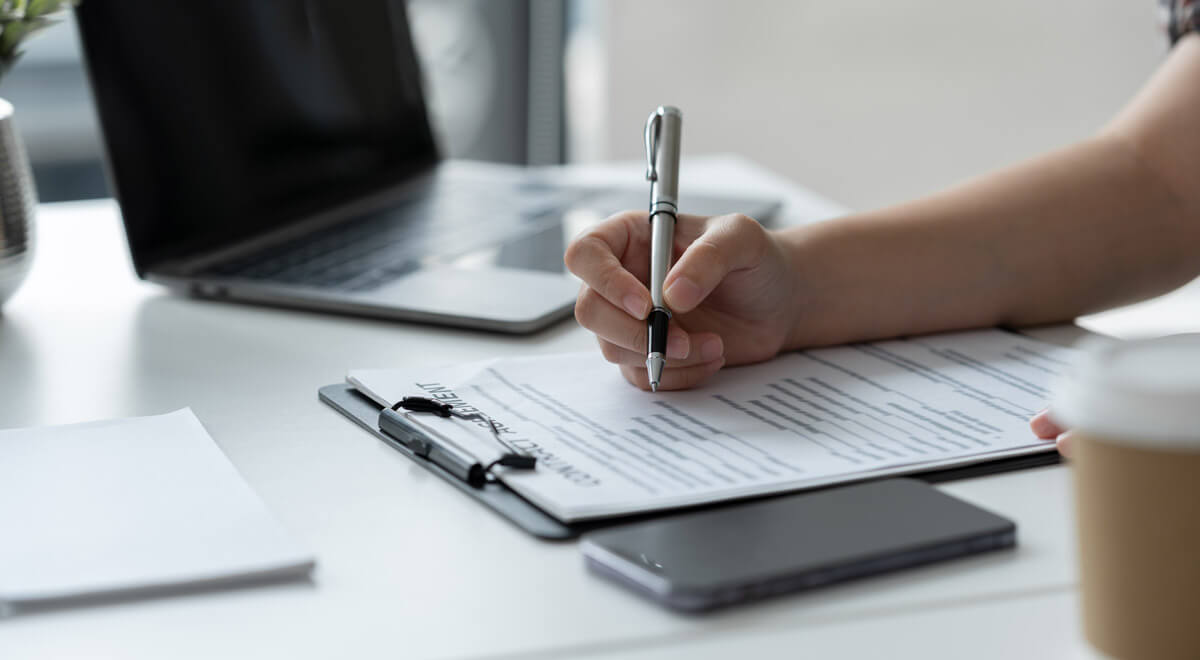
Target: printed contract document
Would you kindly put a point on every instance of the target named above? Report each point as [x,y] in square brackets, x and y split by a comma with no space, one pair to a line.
[804,419]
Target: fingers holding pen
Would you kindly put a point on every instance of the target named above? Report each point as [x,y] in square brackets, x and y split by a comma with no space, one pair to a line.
[618,331]
[676,378]
[728,243]
[614,302]
[703,347]
[596,258]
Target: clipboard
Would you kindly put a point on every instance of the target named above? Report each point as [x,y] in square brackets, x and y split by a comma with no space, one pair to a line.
[506,503]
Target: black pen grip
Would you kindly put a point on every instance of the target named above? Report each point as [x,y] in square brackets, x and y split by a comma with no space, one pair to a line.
[656,330]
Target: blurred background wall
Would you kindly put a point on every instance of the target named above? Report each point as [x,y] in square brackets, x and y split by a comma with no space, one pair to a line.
[868,101]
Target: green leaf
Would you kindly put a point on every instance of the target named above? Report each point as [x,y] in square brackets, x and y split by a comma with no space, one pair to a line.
[14,33]
[37,8]
[21,20]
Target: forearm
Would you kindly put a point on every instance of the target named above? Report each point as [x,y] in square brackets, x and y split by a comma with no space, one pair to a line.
[1095,225]
[1064,235]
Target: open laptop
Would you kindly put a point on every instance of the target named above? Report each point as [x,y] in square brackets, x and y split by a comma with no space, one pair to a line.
[279,152]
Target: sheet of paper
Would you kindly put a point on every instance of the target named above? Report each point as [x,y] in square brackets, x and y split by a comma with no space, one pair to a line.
[801,420]
[133,504]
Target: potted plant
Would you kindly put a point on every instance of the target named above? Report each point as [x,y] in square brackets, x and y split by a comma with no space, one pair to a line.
[19,20]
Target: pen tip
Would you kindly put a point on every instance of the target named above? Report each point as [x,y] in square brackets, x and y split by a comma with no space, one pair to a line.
[654,369]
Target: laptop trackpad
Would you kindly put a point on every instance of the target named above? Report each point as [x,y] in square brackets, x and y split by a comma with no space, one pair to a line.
[504,295]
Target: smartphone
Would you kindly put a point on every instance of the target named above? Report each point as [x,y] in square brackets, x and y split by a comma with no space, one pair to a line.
[718,557]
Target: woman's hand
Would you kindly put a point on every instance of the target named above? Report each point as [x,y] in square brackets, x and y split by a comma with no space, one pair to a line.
[730,291]
[1044,427]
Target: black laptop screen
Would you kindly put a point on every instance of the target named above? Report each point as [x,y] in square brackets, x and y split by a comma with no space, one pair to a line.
[224,118]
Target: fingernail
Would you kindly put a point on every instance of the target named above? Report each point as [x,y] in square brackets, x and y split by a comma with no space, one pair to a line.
[683,293]
[678,346]
[636,306]
[1064,444]
[711,350]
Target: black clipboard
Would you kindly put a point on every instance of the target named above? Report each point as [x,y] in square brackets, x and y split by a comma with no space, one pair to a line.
[364,412]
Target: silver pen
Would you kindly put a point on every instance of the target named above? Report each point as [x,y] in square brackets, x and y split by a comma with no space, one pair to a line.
[664,129]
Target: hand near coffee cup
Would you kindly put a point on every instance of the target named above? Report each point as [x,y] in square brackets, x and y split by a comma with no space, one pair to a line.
[1045,427]
[1134,413]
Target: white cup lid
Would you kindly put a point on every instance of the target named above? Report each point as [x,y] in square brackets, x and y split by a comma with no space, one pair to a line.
[1143,392]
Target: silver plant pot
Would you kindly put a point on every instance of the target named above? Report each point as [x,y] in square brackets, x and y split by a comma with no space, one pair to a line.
[18,203]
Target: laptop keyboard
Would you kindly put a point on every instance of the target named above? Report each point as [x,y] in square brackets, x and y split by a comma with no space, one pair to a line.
[376,248]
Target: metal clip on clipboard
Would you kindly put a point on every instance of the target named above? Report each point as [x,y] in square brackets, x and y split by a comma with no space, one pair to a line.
[450,458]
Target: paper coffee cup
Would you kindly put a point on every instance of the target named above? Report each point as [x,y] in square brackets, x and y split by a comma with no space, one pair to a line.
[1134,411]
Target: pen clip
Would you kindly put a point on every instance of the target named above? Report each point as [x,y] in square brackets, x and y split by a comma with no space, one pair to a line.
[652,124]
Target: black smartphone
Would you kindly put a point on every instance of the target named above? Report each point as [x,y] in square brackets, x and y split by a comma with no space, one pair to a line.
[719,557]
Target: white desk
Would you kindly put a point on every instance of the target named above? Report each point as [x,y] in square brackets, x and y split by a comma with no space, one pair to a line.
[407,567]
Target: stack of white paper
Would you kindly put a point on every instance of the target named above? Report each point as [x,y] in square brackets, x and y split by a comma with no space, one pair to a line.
[130,505]
[801,420]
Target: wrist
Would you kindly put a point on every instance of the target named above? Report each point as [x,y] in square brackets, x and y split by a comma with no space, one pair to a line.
[840,291]
[802,252]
